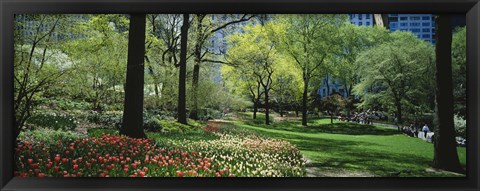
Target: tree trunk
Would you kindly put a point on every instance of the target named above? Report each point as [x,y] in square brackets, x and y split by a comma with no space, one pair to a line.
[182,112]
[196,68]
[445,153]
[133,109]
[255,109]
[304,102]
[267,108]
[196,73]
[331,118]
[399,113]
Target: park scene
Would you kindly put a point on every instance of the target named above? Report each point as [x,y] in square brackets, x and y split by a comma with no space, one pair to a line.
[240,95]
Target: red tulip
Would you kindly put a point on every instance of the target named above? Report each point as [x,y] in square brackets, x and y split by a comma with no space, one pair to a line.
[180,173]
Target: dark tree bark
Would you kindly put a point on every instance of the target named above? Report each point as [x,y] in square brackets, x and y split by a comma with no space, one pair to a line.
[133,110]
[267,109]
[304,102]
[196,73]
[182,112]
[445,153]
[255,109]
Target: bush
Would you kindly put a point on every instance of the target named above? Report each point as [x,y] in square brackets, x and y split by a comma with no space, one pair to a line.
[67,104]
[111,119]
[47,136]
[208,114]
[460,126]
[53,121]
[152,123]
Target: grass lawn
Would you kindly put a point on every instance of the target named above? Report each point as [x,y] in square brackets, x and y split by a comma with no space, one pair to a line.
[352,147]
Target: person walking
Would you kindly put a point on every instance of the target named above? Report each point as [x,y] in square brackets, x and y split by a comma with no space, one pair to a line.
[425,130]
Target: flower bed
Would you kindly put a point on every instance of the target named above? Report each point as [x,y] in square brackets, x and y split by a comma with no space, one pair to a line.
[110,156]
[213,152]
[247,154]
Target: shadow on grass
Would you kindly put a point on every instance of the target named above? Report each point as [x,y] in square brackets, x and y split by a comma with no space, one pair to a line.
[357,156]
[335,128]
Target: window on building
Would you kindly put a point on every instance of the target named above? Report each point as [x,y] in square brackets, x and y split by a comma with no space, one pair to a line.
[360,23]
[426,36]
[426,24]
[393,25]
[394,15]
[367,16]
[426,18]
[426,30]
[359,16]
[414,24]
[403,18]
[415,30]
[414,18]
[433,41]
[403,24]
[367,23]
[393,19]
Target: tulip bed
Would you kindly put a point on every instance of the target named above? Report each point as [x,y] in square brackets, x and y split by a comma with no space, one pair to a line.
[247,154]
[111,156]
[223,152]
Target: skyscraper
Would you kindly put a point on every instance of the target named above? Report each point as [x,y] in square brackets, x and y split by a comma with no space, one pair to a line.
[422,25]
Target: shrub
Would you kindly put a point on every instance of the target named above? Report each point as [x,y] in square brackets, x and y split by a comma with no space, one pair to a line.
[110,119]
[152,123]
[460,126]
[53,121]
[47,136]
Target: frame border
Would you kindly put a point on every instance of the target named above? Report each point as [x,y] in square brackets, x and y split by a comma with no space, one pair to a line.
[10,7]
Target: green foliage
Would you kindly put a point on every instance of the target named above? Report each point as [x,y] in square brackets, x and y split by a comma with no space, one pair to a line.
[67,104]
[396,74]
[111,119]
[48,136]
[460,126]
[459,70]
[333,103]
[53,121]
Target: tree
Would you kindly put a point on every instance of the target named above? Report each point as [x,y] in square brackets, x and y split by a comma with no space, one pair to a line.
[133,109]
[39,63]
[354,39]
[395,73]
[459,70]
[445,153]
[162,58]
[333,103]
[203,30]
[98,52]
[182,112]
[254,52]
[310,40]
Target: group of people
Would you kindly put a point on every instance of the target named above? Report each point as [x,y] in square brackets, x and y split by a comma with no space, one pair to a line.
[363,117]
[413,130]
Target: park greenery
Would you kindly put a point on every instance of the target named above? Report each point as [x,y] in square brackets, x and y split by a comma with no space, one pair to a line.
[225,95]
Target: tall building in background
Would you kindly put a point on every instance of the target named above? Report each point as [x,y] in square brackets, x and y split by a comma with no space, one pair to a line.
[422,25]
[361,19]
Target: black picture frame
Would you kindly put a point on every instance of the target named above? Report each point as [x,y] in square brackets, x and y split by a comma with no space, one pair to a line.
[471,8]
